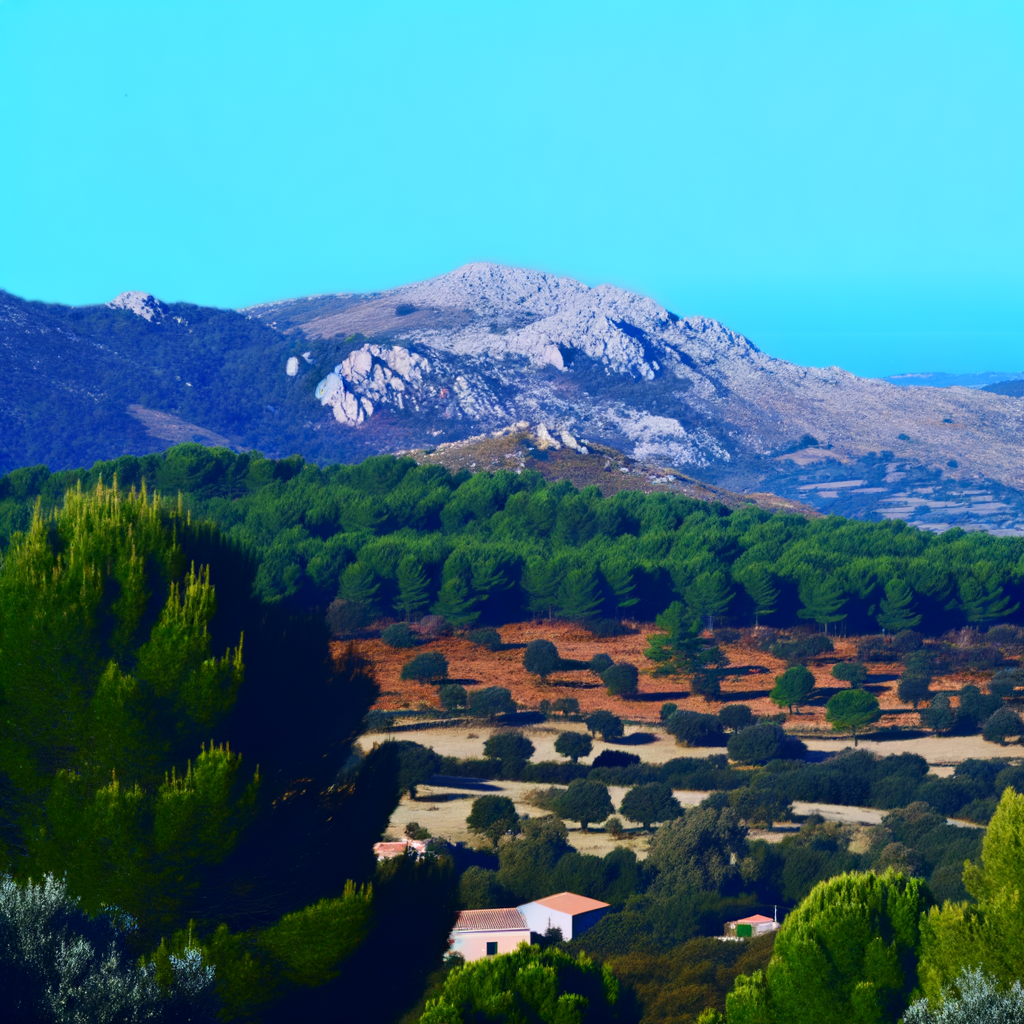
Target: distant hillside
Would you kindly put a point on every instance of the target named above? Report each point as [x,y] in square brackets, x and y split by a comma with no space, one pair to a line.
[1013,388]
[952,380]
[341,377]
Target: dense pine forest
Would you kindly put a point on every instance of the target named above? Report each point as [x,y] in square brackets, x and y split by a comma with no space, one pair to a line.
[390,538]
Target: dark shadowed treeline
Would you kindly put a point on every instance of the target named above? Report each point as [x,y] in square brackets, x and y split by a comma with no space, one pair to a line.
[390,538]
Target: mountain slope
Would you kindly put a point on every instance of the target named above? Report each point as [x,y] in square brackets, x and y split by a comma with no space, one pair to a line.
[340,377]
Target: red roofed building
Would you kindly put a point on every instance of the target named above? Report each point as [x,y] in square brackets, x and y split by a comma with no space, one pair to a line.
[572,915]
[748,927]
[480,933]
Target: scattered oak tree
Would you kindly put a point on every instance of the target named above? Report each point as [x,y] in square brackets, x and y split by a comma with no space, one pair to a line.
[493,817]
[429,667]
[853,710]
[586,802]
[793,687]
[650,802]
[541,658]
[573,745]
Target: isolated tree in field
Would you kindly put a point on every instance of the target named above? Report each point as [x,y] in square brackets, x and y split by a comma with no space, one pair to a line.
[429,667]
[853,710]
[759,584]
[599,662]
[453,696]
[491,701]
[896,609]
[586,802]
[852,672]
[607,724]
[398,636]
[493,817]
[621,679]
[793,687]
[566,706]
[679,646]
[487,637]
[736,716]
[574,745]
[846,953]
[695,729]
[512,749]
[413,587]
[541,658]
[823,601]
[650,802]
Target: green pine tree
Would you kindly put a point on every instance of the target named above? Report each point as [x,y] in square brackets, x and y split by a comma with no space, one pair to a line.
[579,595]
[709,595]
[758,582]
[455,603]
[823,600]
[413,587]
[897,607]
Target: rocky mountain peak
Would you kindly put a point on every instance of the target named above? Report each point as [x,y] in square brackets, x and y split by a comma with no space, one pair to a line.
[141,304]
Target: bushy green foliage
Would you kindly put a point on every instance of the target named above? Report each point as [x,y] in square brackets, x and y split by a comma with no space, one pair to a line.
[416,764]
[761,743]
[493,817]
[621,679]
[848,952]
[573,745]
[736,716]
[799,652]
[541,658]
[586,802]
[973,998]
[695,729]
[961,935]
[453,696]
[486,637]
[511,749]
[606,723]
[398,635]
[853,710]
[852,672]
[429,667]
[1005,722]
[793,687]
[531,984]
[650,802]
[491,701]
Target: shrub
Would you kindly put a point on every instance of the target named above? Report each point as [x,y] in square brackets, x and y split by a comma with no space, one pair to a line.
[695,729]
[1003,724]
[344,618]
[793,687]
[574,745]
[615,759]
[491,701]
[493,817]
[613,826]
[566,706]
[621,679]
[429,667]
[761,743]
[940,715]
[485,637]
[914,687]
[736,717]
[540,658]
[852,672]
[906,641]
[804,649]
[398,635]
[873,648]
[599,662]
[706,684]
[605,629]
[605,723]
[378,721]
[512,749]
[453,696]
[1004,682]
[975,706]
[668,710]
[649,803]
[974,998]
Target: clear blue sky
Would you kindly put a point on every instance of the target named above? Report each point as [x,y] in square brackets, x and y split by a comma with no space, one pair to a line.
[843,182]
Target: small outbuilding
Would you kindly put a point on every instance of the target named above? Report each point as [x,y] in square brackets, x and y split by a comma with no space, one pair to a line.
[572,915]
[480,933]
[749,927]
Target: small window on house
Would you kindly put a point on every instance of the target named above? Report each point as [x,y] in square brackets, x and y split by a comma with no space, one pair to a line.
[492,949]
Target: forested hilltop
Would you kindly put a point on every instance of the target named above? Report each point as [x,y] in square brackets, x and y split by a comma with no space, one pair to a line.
[390,538]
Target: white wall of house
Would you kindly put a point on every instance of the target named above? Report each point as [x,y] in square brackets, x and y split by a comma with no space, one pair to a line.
[473,945]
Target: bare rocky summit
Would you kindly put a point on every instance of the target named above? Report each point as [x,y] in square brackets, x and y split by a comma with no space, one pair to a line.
[487,345]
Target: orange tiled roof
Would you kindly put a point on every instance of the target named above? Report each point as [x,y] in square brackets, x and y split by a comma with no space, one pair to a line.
[502,920]
[570,903]
[756,919]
